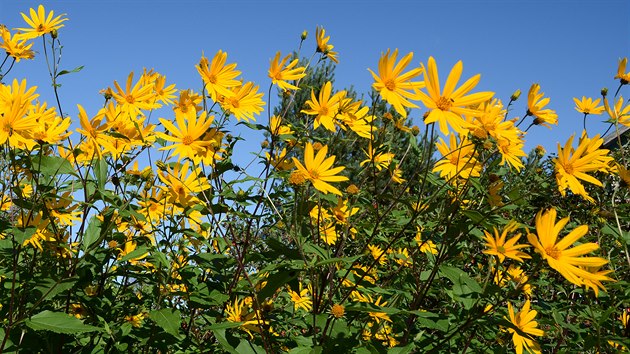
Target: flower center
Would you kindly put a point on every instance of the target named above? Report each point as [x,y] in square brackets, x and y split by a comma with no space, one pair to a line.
[323,111]
[444,103]
[553,252]
[234,102]
[40,28]
[501,249]
[568,168]
[212,78]
[187,140]
[130,99]
[390,84]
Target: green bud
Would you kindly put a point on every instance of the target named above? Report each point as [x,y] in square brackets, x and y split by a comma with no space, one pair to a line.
[303,35]
[54,34]
[604,91]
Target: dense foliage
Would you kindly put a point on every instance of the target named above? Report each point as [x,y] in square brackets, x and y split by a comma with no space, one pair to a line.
[130,228]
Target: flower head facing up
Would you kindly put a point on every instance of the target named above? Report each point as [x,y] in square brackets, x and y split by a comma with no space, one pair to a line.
[499,247]
[588,105]
[325,107]
[318,169]
[41,23]
[280,73]
[218,77]
[527,327]
[447,106]
[395,86]
[535,104]
[15,46]
[560,255]
[572,165]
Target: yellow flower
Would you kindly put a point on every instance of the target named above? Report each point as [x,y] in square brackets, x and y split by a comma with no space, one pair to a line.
[573,165]
[134,99]
[458,159]
[181,185]
[448,106]
[276,127]
[588,106]
[136,320]
[328,233]
[41,23]
[596,284]
[251,322]
[380,160]
[281,74]
[15,46]
[622,75]
[618,113]
[317,169]
[378,254]
[244,102]
[337,310]
[217,76]
[187,135]
[527,327]
[16,125]
[378,316]
[395,87]
[95,130]
[535,104]
[326,108]
[559,254]
[499,247]
[301,299]
[323,46]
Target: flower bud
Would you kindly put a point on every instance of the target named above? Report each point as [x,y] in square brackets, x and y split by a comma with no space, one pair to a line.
[264,144]
[54,34]
[515,95]
[604,91]
[415,130]
[303,35]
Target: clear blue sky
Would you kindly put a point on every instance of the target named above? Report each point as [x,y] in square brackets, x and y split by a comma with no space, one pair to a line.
[570,47]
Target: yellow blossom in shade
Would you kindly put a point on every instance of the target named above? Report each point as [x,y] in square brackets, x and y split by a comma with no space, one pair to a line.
[41,23]
[15,46]
[622,75]
[238,311]
[401,257]
[188,135]
[588,106]
[527,327]
[281,161]
[182,182]
[458,159]
[281,74]
[396,174]
[325,107]
[624,176]
[276,127]
[519,277]
[618,113]
[447,106]
[301,299]
[356,118]
[337,310]
[342,213]
[318,169]
[572,165]
[378,254]
[512,152]
[136,320]
[189,103]
[426,246]
[380,160]
[495,198]
[535,104]
[625,318]
[559,254]
[134,98]
[323,46]
[395,86]
[378,316]
[497,245]
[244,102]
[218,77]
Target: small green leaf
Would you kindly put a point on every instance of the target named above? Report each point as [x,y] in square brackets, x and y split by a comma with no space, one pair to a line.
[59,322]
[75,70]
[92,233]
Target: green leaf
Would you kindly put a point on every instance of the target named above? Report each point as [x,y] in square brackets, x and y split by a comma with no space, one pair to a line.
[50,288]
[100,173]
[247,347]
[225,325]
[219,334]
[52,165]
[92,233]
[59,322]
[142,250]
[168,319]
[75,70]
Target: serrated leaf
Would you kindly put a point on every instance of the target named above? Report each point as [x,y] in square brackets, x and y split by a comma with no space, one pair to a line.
[59,322]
